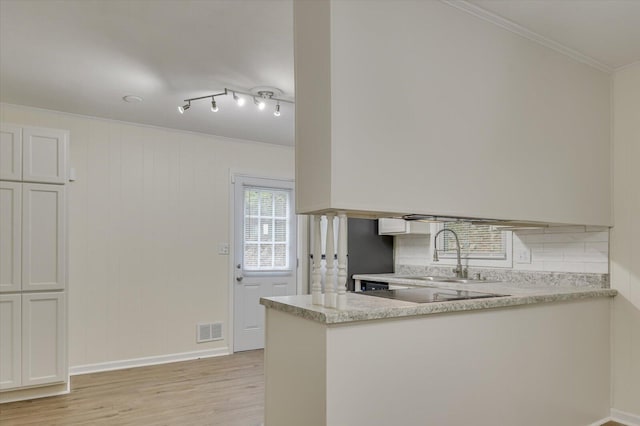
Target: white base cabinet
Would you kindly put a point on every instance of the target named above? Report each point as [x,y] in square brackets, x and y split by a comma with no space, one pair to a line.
[43,338]
[10,341]
[32,339]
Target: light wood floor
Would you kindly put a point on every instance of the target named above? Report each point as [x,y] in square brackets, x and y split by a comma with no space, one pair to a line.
[227,390]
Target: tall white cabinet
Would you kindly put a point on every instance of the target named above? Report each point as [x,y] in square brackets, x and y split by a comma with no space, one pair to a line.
[33,261]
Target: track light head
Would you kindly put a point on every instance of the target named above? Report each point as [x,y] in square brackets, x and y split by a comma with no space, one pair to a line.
[183,108]
[277,111]
[240,101]
[214,106]
[260,103]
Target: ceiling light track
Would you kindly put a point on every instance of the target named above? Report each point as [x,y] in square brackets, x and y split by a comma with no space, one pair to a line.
[260,99]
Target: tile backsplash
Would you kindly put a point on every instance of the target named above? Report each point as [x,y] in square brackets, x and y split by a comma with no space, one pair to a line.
[555,249]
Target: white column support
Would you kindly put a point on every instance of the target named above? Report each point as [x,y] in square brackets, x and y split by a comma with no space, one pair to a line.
[317,298]
[342,260]
[330,296]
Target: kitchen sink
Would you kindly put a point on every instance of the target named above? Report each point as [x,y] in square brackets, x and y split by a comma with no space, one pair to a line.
[429,294]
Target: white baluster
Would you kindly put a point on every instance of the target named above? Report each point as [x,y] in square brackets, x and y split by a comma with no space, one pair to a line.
[342,261]
[330,277]
[317,298]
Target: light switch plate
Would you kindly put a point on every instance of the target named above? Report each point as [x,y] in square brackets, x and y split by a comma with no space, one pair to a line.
[223,249]
[523,255]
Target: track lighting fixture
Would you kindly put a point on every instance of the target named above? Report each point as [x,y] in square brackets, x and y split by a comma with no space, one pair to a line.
[240,101]
[183,108]
[260,98]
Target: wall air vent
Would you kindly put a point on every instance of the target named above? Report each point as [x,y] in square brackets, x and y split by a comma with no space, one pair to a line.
[208,332]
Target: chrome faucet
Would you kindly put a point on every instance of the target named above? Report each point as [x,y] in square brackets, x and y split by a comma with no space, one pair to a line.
[459,271]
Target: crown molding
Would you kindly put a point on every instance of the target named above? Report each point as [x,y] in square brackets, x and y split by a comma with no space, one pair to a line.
[631,65]
[508,25]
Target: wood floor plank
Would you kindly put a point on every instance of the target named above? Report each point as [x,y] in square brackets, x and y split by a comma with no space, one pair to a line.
[226,390]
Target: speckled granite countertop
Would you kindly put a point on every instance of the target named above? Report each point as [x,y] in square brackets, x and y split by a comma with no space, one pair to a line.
[364,308]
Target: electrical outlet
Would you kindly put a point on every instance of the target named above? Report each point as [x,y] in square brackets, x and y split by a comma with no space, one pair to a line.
[223,249]
[523,255]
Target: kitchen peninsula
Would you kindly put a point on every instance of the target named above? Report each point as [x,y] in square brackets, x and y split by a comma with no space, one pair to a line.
[537,356]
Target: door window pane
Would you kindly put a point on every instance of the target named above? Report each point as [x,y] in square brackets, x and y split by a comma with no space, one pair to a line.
[266,229]
[251,229]
[251,256]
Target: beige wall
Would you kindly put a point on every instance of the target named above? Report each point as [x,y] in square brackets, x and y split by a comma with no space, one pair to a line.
[625,240]
[543,364]
[436,111]
[146,216]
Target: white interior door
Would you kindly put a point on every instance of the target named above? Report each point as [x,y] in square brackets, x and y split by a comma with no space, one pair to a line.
[265,258]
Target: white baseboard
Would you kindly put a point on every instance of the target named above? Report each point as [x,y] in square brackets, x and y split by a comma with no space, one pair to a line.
[142,362]
[35,392]
[628,419]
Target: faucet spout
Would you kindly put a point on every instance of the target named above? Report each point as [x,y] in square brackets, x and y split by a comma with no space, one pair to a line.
[460,272]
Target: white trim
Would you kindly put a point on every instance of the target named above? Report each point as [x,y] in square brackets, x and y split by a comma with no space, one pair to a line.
[303,255]
[628,419]
[232,257]
[149,126]
[526,33]
[146,361]
[26,395]
[630,65]
[600,422]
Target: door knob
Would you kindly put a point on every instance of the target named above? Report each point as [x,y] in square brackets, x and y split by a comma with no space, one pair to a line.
[239,278]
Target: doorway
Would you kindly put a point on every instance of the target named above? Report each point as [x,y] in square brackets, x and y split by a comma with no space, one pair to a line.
[265,253]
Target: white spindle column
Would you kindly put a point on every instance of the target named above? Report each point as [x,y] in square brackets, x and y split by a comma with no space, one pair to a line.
[317,298]
[342,261]
[330,277]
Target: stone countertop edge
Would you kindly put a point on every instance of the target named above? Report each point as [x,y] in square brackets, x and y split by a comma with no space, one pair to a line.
[365,308]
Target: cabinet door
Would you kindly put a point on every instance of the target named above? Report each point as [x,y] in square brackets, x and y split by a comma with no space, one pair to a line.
[10,236]
[10,331]
[43,338]
[43,237]
[44,155]
[10,152]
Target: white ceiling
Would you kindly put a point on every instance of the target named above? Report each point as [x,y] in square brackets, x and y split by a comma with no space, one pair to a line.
[605,30]
[84,56]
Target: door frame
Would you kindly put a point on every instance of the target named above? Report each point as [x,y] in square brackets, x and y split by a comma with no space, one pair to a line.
[301,246]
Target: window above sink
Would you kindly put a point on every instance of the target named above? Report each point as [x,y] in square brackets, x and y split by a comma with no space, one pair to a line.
[481,245]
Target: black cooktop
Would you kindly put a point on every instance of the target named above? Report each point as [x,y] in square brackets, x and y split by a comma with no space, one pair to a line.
[429,294]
